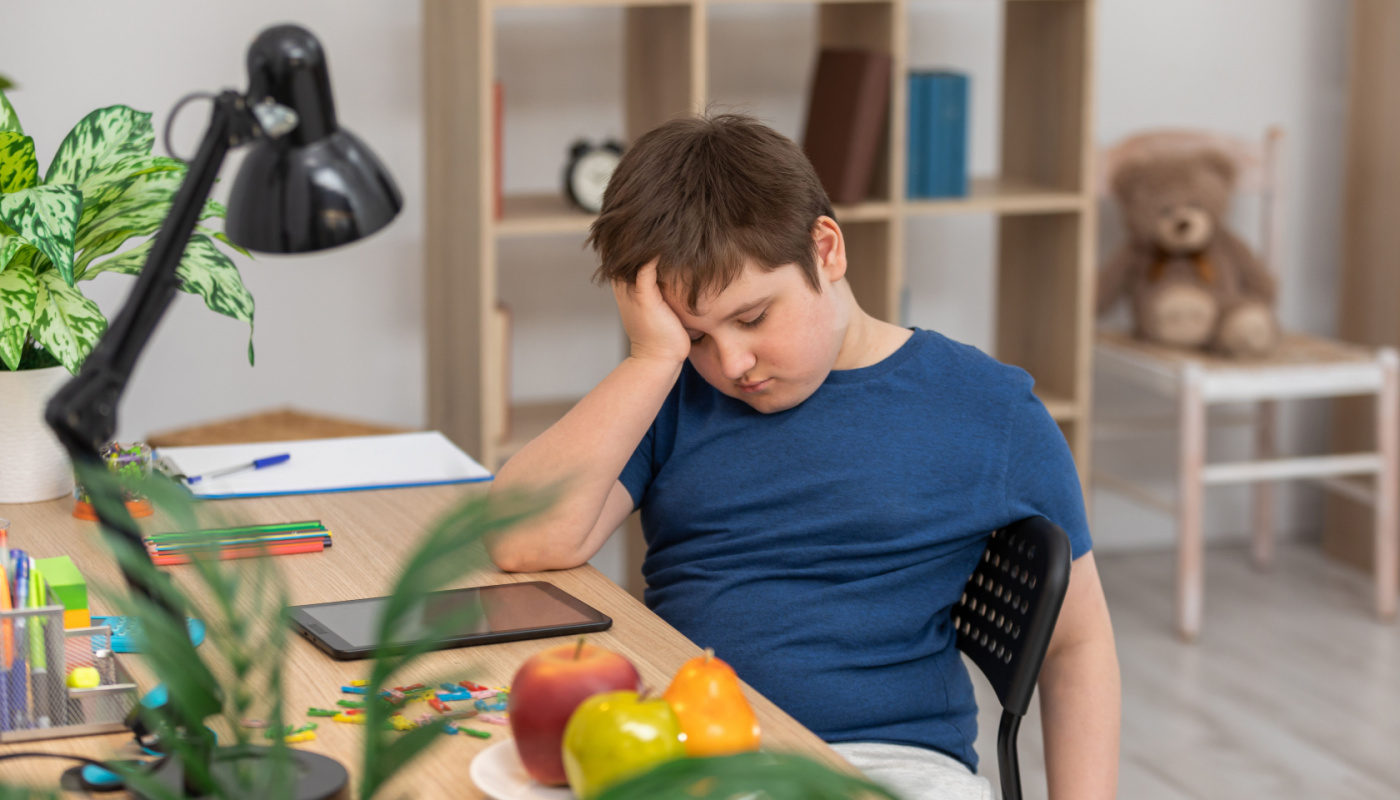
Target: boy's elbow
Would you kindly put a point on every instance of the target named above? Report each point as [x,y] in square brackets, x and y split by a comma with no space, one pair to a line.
[516,556]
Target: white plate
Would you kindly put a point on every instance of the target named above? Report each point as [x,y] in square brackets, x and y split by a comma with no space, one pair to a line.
[498,772]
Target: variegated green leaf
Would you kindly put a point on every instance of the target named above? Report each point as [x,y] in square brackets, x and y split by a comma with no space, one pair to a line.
[18,167]
[204,270]
[46,216]
[129,263]
[103,137]
[19,292]
[207,272]
[141,207]
[66,323]
[9,120]
[9,245]
[107,186]
[120,206]
[221,236]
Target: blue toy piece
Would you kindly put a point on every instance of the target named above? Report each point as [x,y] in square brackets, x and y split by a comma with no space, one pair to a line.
[124,630]
[97,779]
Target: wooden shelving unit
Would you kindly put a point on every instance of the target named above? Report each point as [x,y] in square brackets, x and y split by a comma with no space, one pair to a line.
[1043,198]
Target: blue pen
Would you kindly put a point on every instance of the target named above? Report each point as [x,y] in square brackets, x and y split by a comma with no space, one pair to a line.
[18,707]
[260,463]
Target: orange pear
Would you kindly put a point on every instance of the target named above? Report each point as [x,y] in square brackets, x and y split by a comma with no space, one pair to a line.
[715,717]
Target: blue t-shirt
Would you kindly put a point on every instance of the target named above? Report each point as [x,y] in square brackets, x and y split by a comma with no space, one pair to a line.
[819,549]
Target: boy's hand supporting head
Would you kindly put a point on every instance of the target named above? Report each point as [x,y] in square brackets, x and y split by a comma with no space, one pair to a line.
[652,327]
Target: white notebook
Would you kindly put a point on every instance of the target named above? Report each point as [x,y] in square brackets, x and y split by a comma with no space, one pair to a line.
[349,464]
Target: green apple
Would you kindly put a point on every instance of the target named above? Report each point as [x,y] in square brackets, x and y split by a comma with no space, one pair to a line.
[615,735]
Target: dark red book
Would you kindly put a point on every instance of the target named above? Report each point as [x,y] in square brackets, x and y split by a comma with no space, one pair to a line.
[846,120]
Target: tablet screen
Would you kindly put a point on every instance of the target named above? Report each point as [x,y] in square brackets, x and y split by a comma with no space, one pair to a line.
[505,608]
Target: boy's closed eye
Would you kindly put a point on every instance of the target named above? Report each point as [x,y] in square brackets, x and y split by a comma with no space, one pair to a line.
[697,337]
[753,323]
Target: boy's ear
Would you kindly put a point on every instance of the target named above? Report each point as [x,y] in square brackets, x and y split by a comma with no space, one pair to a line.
[830,247]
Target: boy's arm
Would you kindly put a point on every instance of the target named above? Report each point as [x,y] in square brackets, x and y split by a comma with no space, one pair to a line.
[1080,693]
[584,453]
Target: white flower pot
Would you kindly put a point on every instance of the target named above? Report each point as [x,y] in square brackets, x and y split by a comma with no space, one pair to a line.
[33,465]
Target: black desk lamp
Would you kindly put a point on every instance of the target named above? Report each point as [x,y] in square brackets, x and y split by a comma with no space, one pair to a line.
[307,184]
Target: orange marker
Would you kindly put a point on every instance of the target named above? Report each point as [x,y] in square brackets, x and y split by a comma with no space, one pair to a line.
[246,552]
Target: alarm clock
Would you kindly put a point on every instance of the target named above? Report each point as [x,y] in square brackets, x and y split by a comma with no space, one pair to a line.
[587,173]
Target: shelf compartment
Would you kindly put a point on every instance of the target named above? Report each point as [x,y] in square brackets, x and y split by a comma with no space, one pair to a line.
[995,195]
[547,214]
[527,421]
[541,214]
[1062,409]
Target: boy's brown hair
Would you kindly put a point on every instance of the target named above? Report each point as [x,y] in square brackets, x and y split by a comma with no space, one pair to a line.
[703,194]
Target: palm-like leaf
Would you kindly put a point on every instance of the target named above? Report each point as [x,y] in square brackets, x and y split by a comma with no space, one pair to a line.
[449,550]
[772,776]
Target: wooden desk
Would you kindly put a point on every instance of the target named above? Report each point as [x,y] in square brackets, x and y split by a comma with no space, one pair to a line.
[374,531]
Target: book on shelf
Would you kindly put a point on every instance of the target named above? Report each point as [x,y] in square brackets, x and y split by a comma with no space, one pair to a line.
[938,133]
[846,120]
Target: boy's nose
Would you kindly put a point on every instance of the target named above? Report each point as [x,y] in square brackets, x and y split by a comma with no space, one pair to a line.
[735,361]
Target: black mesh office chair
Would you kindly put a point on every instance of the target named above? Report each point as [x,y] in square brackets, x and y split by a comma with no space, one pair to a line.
[1005,618]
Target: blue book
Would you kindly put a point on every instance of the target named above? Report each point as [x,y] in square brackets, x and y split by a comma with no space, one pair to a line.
[947,156]
[918,136]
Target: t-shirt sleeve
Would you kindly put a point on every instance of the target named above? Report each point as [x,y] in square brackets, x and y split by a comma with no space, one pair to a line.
[655,447]
[1041,478]
[637,474]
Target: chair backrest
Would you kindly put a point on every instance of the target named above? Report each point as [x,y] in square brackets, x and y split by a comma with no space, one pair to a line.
[1009,607]
[1256,169]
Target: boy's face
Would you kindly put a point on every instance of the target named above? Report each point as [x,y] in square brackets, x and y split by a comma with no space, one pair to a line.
[768,338]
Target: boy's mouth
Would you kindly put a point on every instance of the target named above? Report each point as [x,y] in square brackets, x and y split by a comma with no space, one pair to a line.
[756,386]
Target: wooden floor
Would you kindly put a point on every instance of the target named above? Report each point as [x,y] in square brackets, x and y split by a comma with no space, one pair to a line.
[1292,691]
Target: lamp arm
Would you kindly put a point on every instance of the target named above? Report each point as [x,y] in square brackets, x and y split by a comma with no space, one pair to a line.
[83,413]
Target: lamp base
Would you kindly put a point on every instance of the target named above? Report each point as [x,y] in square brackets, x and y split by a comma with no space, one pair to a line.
[314,776]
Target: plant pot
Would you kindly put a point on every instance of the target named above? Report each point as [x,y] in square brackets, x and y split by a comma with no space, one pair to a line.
[33,465]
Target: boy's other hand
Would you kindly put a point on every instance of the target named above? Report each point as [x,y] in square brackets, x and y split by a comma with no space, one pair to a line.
[652,327]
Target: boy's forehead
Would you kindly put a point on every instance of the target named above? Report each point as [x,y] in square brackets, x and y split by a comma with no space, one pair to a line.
[716,301]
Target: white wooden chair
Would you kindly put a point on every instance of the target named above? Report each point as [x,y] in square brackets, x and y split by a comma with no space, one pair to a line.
[1301,367]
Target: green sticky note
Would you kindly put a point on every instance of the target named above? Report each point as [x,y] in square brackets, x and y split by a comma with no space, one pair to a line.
[65,580]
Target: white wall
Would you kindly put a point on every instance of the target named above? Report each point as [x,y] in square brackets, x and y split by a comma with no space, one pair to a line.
[342,332]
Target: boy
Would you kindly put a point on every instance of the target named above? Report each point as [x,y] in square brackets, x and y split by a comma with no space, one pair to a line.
[815,484]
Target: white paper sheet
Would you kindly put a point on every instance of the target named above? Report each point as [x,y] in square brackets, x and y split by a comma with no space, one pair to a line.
[327,465]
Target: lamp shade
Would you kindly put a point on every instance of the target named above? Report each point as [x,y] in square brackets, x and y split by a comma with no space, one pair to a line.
[317,186]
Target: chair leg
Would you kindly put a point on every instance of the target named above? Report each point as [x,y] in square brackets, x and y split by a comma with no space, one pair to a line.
[1264,444]
[1387,520]
[1190,495]
[1007,760]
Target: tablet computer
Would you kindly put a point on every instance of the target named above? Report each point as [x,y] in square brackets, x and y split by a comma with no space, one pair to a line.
[503,613]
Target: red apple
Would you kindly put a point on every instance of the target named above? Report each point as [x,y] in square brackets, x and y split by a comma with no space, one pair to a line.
[545,692]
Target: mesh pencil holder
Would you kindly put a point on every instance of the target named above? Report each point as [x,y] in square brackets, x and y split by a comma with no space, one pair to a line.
[36,656]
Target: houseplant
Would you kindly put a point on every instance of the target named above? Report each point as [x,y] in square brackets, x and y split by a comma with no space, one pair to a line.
[102,189]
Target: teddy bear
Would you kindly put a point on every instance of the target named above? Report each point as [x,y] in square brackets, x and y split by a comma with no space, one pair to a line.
[1190,281]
